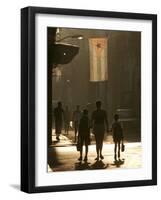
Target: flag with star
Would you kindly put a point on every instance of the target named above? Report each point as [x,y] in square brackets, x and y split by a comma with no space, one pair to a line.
[98,59]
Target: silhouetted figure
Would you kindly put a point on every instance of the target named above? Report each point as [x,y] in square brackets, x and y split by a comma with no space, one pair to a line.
[99,124]
[76,119]
[84,134]
[117,136]
[58,117]
[66,119]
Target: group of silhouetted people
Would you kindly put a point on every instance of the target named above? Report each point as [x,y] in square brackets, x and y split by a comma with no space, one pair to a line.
[82,124]
[60,115]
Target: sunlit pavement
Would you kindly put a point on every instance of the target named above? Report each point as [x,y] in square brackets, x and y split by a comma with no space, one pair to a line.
[63,156]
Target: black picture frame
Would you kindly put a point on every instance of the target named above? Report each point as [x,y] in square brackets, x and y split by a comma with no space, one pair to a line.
[28,98]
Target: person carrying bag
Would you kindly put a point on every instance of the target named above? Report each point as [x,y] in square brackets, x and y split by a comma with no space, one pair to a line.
[83,135]
[117,137]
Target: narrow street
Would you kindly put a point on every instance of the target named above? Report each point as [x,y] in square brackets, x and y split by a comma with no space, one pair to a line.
[63,156]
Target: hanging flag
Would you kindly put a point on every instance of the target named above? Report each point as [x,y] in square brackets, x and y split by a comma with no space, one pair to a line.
[98,59]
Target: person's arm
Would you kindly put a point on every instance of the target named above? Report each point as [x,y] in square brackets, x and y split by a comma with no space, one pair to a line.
[92,121]
[112,130]
[106,122]
[89,126]
[122,135]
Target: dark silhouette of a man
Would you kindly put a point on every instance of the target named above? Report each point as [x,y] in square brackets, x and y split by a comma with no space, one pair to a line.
[99,125]
[66,119]
[59,117]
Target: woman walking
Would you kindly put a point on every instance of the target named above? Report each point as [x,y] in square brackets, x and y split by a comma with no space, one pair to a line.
[84,134]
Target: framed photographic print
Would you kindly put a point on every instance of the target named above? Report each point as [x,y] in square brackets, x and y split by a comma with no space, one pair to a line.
[88,99]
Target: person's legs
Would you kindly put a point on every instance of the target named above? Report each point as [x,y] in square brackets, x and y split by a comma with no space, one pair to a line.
[86,149]
[101,145]
[81,152]
[65,127]
[81,148]
[75,129]
[86,153]
[97,150]
[115,149]
[97,146]
[119,149]
[57,131]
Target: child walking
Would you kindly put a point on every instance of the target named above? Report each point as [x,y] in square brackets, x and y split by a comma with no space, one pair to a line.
[117,136]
